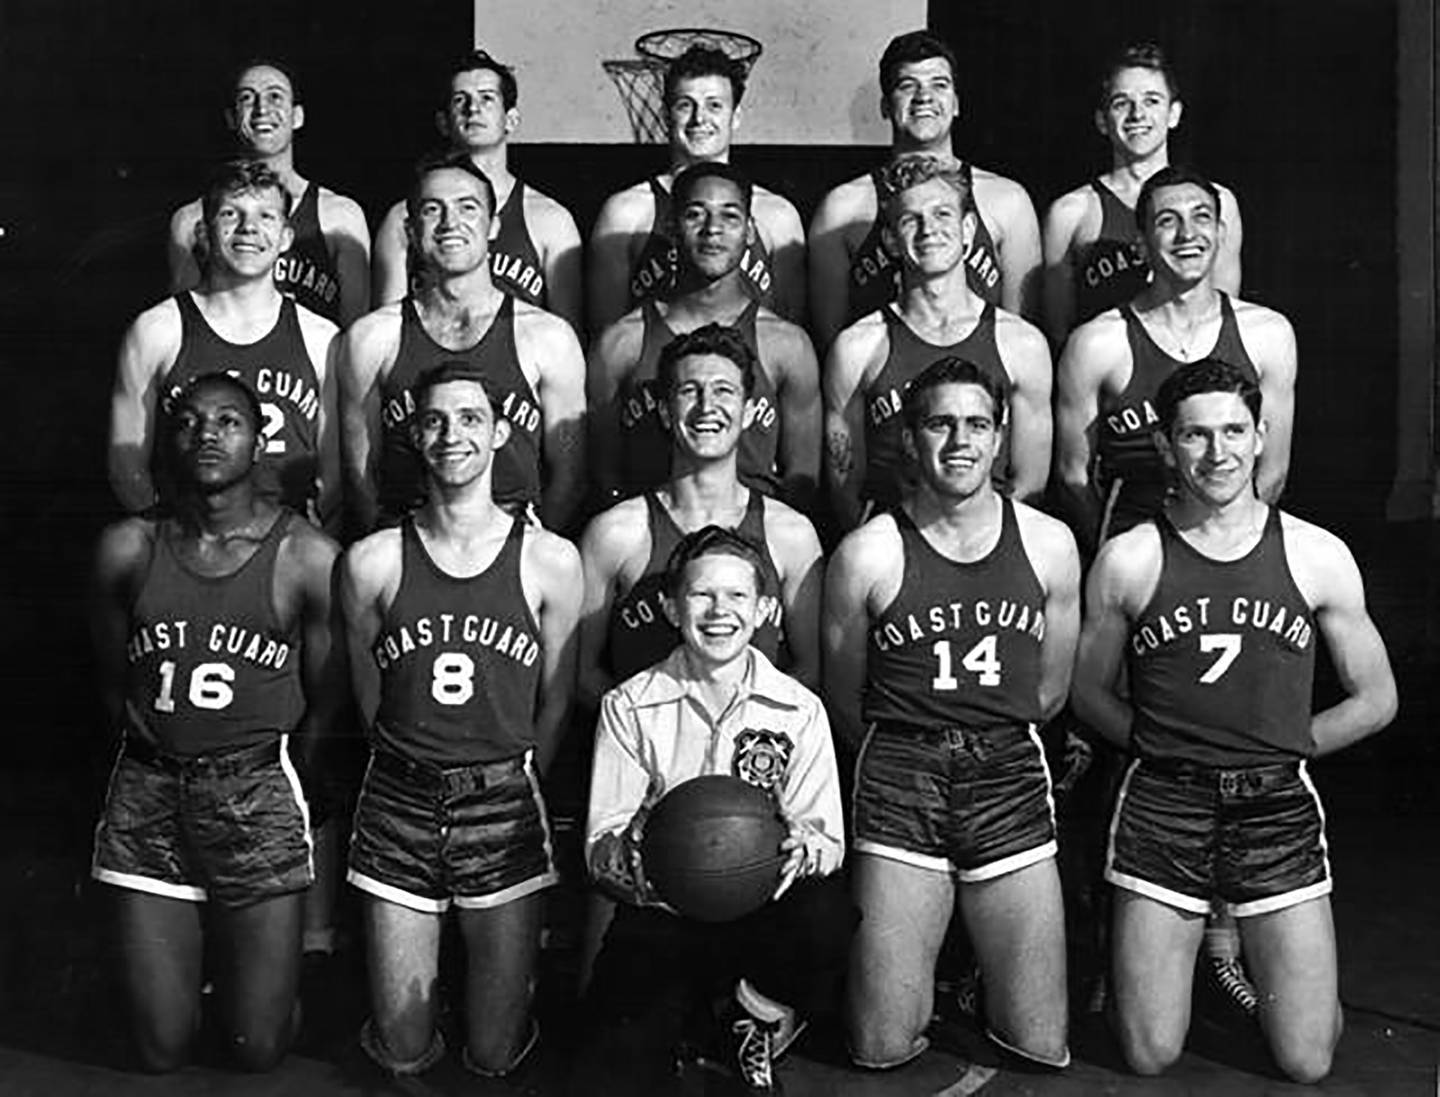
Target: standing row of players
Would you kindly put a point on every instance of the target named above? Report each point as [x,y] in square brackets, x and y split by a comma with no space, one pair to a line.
[527,362]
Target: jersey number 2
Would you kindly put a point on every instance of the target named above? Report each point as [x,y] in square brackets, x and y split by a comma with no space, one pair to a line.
[274,424]
[982,660]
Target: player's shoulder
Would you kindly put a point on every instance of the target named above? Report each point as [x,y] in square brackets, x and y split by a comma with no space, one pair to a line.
[862,340]
[1019,334]
[1095,342]
[338,209]
[542,209]
[375,328]
[1311,541]
[157,321]
[125,546]
[306,543]
[788,528]
[185,219]
[1070,209]
[873,546]
[1043,531]
[374,556]
[779,333]
[540,322]
[618,531]
[621,339]
[998,192]
[314,326]
[1254,316]
[769,203]
[1130,559]
[554,555]
[856,192]
[782,687]
[631,207]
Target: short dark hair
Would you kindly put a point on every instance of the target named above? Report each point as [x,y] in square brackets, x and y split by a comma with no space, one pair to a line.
[713,541]
[1138,55]
[702,60]
[718,339]
[459,161]
[229,380]
[446,371]
[236,176]
[481,61]
[906,49]
[1200,377]
[950,370]
[914,168]
[688,179]
[284,68]
[1172,175]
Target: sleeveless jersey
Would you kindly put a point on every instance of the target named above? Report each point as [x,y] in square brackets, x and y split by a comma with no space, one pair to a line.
[960,644]
[875,273]
[517,463]
[1222,659]
[656,268]
[209,666]
[1110,270]
[306,272]
[277,368]
[645,454]
[515,264]
[1130,472]
[887,466]
[459,660]
[640,634]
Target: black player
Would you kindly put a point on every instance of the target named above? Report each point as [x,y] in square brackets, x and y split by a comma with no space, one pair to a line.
[1215,609]
[461,632]
[213,628]
[949,628]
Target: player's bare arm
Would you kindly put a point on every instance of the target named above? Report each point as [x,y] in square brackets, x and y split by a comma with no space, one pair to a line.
[1119,584]
[836,230]
[612,356]
[1227,273]
[347,239]
[619,233]
[1064,221]
[1270,341]
[612,538]
[367,351]
[147,352]
[786,351]
[1085,365]
[558,241]
[185,230]
[853,355]
[1026,356]
[851,594]
[1010,217]
[304,577]
[1051,549]
[322,344]
[549,351]
[1326,573]
[784,234]
[369,578]
[551,576]
[795,548]
[121,559]
[389,272]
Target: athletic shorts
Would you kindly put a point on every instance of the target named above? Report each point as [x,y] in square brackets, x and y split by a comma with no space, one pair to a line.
[976,802]
[475,836]
[228,826]
[1253,839]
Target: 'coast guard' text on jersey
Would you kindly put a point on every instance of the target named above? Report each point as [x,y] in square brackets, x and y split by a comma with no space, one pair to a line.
[277,368]
[306,272]
[887,467]
[517,463]
[459,659]
[1222,659]
[1111,269]
[208,665]
[1130,471]
[640,633]
[514,260]
[960,644]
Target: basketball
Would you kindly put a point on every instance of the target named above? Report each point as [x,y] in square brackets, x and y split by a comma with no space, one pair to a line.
[712,848]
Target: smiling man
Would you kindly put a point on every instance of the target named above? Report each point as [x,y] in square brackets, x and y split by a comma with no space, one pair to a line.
[326,267]
[929,227]
[238,322]
[633,256]
[1094,259]
[1110,475]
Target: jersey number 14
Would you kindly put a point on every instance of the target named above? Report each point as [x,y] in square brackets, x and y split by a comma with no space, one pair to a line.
[983,660]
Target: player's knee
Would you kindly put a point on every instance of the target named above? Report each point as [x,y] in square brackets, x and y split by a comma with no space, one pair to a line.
[878,1044]
[163,1056]
[1042,1046]
[258,1053]
[1306,1062]
[1149,1052]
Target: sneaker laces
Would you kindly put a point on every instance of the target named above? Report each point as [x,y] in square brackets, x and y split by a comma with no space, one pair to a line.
[1230,977]
[752,1050]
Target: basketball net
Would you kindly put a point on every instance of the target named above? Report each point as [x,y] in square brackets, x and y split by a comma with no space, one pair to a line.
[641,80]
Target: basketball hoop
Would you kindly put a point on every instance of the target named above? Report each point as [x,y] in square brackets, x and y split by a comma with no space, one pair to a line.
[641,80]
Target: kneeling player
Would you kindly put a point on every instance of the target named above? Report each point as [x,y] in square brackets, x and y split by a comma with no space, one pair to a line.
[461,624]
[213,626]
[1214,607]
[716,705]
[949,626]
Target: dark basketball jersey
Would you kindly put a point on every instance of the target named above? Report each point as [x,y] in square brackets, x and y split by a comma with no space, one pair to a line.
[459,659]
[1222,659]
[1111,269]
[277,368]
[875,273]
[887,466]
[645,443]
[656,269]
[209,666]
[1130,472]
[640,635]
[516,480]
[514,260]
[960,644]
[306,272]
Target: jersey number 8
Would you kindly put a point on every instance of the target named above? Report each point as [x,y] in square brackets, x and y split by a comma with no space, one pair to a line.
[452,680]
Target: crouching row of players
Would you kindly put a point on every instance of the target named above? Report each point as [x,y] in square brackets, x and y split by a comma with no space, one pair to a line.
[949,632]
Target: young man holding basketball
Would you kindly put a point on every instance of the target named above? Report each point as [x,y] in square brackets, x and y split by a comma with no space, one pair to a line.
[717,706]
[461,627]
[949,631]
[632,256]
[1197,658]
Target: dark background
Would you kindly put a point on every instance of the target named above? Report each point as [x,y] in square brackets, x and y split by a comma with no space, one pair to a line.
[112,113]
